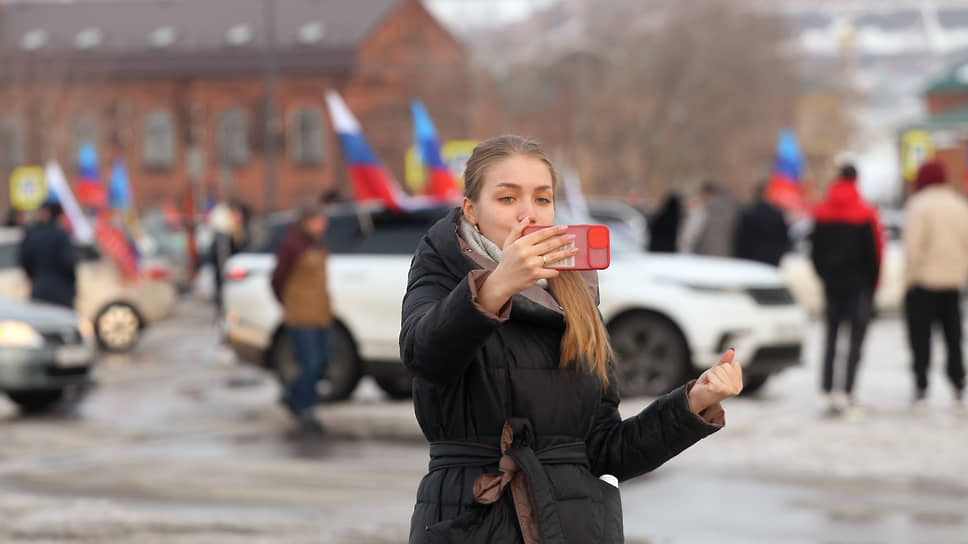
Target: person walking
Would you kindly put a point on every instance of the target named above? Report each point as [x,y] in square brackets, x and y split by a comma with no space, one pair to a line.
[514,381]
[762,234]
[299,282]
[664,226]
[49,259]
[936,269]
[711,223]
[847,244]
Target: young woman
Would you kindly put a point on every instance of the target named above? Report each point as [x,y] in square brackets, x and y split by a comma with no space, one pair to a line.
[514,384]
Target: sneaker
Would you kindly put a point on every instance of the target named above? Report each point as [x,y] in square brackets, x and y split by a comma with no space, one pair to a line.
[833,411]
[834,408]
[286,401]
[854,412]
[920,395]
[920,401]
[311,426]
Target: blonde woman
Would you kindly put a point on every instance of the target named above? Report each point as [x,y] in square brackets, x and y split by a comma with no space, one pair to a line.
[514,384]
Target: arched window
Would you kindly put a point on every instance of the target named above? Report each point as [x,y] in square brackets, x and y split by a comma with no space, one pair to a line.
[306,135]
[11,143]
[158,144]
[232,134]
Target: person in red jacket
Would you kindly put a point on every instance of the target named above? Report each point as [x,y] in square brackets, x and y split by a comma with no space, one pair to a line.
[847,244]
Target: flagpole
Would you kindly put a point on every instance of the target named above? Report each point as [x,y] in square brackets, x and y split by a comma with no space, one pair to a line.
[269,23]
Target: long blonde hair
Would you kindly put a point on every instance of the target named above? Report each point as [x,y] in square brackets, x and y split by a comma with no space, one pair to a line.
[585,341]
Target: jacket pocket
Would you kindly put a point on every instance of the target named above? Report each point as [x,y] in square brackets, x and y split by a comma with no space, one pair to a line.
[614,530]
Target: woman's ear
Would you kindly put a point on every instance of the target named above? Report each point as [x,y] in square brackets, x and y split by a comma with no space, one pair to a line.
[470,214]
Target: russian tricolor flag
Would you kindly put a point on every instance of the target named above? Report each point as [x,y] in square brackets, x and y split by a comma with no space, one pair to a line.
[441,184]
[90,191]
[371,181]
[785,188]
[60,192]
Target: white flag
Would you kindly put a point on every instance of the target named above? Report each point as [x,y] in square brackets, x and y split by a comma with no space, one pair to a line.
[57,185]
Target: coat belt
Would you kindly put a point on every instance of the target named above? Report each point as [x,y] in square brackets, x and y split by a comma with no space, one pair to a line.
[519,467]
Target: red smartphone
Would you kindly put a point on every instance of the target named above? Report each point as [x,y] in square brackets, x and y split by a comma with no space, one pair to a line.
[592,241]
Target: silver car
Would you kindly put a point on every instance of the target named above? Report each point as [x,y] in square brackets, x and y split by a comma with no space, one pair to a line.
[45,351]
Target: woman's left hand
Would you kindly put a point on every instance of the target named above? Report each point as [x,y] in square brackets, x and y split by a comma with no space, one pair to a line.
[717,384]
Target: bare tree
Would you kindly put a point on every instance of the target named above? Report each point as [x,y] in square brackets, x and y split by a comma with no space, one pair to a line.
[662,95]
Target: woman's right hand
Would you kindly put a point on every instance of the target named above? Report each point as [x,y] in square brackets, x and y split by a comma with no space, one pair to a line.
[524,261]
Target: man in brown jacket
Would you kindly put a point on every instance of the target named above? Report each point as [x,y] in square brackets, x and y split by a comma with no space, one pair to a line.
[936,259]
[299,282]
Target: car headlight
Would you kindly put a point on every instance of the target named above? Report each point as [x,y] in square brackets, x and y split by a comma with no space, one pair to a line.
[15,334]
[86,328]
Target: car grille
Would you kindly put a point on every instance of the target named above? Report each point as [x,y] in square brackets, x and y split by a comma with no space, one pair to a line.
[790,352]
[58,372]
[62,337]
[772,296]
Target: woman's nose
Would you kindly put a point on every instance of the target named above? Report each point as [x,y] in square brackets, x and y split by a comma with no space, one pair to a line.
[529,213]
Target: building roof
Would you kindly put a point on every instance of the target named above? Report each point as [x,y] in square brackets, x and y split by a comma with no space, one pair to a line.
[161,37]
[953,80]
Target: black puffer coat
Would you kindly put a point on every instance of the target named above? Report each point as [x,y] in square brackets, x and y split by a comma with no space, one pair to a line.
[474,371]
[50,262]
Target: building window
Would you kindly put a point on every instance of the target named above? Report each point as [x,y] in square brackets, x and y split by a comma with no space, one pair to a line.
[84,129]
[306,137]
[159,140]
[232,133]
[11,143]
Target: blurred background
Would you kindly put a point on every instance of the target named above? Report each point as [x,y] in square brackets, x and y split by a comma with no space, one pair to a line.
[178,136]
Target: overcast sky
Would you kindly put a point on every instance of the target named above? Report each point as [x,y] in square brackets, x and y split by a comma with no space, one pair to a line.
[469,13]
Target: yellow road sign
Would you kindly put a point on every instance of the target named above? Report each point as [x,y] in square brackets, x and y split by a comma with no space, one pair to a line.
[28,188]
[454,153]
[916,148]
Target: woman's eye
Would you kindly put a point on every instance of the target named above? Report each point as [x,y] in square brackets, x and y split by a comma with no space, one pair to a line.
[544,200]
[506,199]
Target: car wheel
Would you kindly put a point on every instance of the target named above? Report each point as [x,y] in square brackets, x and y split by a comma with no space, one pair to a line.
[752,384]
[342,375]
[118,327]
[397,385]
[33,402]
[651,355]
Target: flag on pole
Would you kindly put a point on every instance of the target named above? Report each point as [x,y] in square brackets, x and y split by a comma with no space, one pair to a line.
[441,183]
[785,188]
[371,180]
[60,192]
[119,189]
[114,241]
[90,190]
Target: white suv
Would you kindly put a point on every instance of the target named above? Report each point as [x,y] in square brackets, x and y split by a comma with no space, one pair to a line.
[668,315]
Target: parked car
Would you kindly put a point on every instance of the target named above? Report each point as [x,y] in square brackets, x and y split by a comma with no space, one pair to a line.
[668,315]
[45,351]
[119,309]
[625,221]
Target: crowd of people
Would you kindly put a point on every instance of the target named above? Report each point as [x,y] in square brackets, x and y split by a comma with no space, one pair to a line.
[847,244]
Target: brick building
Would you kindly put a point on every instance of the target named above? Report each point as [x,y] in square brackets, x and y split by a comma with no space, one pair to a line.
[179,88]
